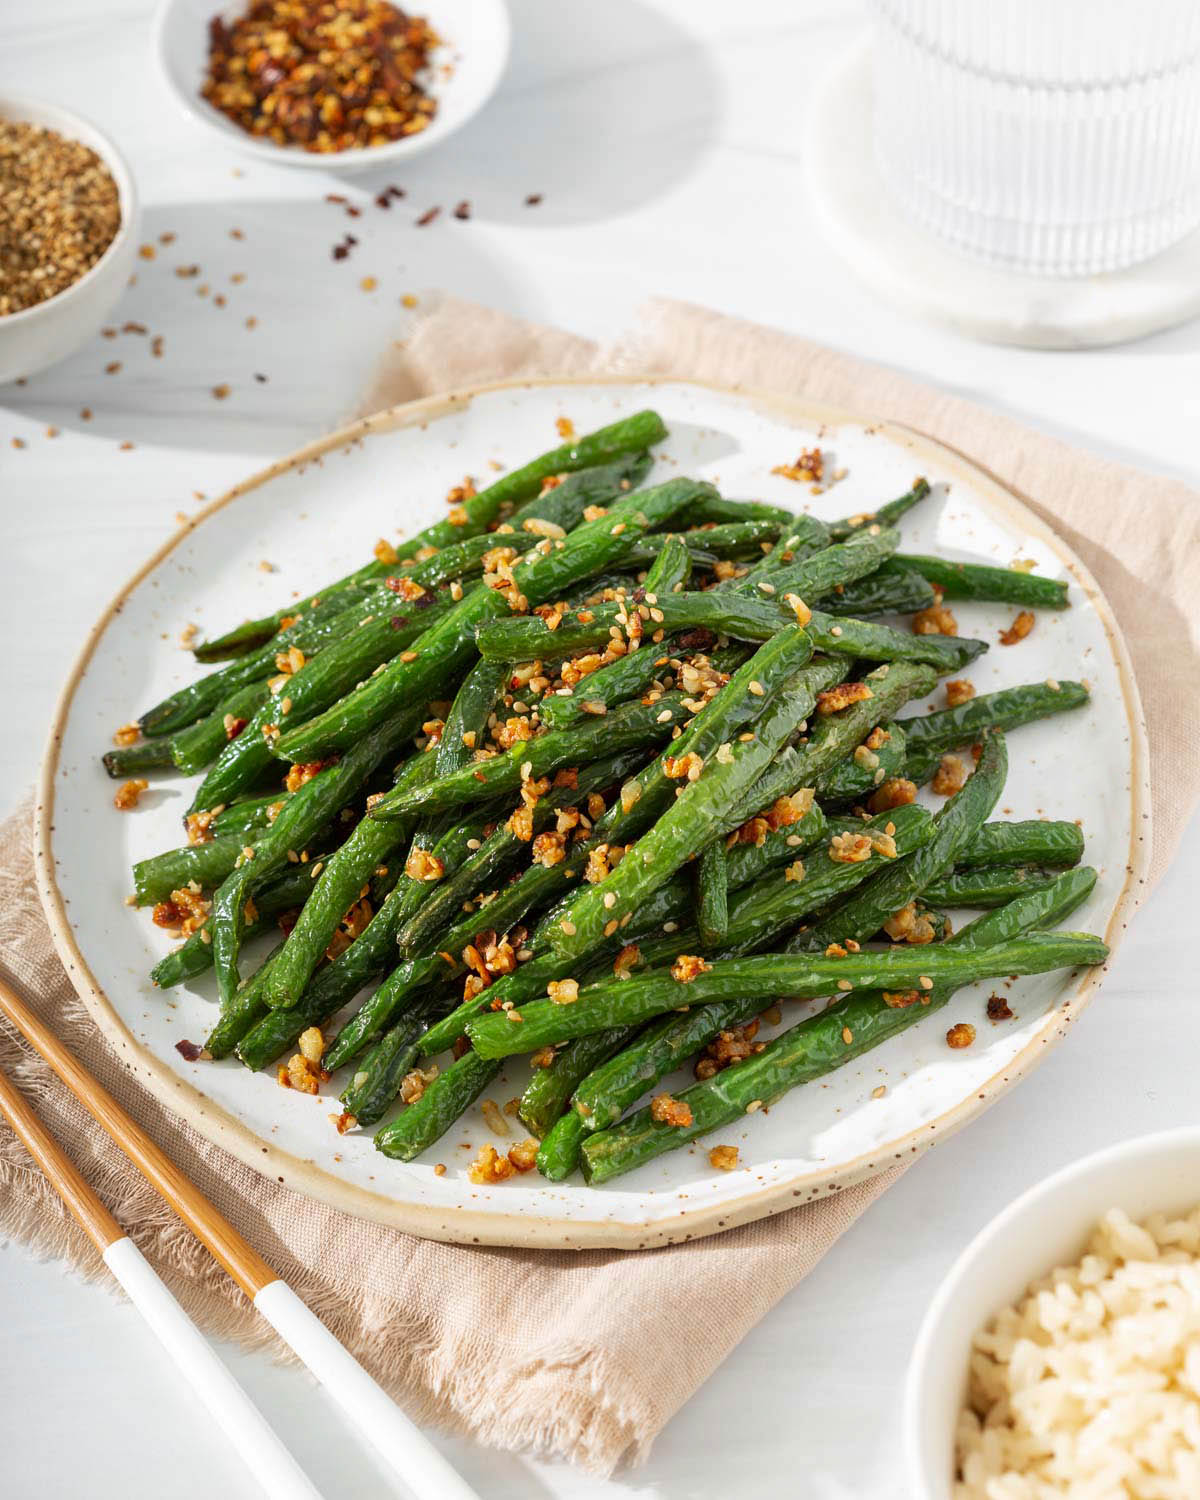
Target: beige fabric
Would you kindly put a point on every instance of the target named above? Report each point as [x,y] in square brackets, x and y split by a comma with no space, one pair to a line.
[584,1355]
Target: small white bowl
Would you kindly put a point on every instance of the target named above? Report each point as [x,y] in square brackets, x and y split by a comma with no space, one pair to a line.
[46,333]
[1046,1227]
[476,34]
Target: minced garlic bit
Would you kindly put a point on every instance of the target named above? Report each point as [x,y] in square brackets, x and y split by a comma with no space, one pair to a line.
[127,795]
[312,1044]
[897,791]
[936,620]
[666,1110]
[127,735]
[849,848]
[523,1156]
[627,960]
[950,776]
[563,991]
[729,1047]
[185,911]
[799,608]
[678,767]
[301,1074]
[808,469]
[687,967]
[959,691]
[494,1116]
[910,925]
[300,773]
[1018,630]
[414,1084]
[199,824]
[549,849]
[724,1158]
[962,1034]
[489,1167]
[421,865]
[834,699]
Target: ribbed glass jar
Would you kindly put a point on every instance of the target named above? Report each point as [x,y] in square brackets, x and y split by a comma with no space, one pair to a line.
[1055,137]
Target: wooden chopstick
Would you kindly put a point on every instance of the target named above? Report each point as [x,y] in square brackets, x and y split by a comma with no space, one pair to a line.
[410,1453]
[242,1423]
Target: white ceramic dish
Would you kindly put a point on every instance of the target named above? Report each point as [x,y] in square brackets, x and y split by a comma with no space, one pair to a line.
[41,335]
[314,516]
[1046,1227]
[467,71]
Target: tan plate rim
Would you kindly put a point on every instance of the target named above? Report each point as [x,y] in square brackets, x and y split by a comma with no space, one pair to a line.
[495,1227]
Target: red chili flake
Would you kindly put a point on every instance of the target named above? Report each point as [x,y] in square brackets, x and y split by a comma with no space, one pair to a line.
[189,1051]
[428,217]
[462,210]
[394,191]
[354,213]
[335,198]
[532,200]
[382,200]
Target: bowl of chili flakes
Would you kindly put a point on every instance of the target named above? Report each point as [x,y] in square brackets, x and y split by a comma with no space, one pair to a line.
[337,85]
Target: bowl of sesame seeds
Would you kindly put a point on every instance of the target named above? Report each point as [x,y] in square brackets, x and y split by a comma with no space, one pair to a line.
[68,220]
[337,85]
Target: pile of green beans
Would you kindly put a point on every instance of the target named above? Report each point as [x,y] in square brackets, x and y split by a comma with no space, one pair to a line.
[595,772]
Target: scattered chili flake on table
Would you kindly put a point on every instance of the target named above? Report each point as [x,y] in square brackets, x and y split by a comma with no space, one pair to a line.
[532,200]
[462,210]
[326,75]
[428,216]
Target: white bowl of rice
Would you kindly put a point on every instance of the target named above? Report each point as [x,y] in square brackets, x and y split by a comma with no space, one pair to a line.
[1061,1356]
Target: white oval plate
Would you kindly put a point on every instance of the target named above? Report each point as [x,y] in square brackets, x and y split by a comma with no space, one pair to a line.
[313,517]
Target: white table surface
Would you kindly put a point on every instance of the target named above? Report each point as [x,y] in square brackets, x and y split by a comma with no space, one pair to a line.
[666,139]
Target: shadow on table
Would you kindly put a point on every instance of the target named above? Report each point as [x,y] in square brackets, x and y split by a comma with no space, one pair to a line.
[243,333]
[603,108]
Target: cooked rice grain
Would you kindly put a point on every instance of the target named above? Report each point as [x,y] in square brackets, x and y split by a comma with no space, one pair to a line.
[1090,1386]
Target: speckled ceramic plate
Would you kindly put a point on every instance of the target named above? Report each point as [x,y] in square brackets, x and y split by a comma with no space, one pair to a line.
[314,516]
